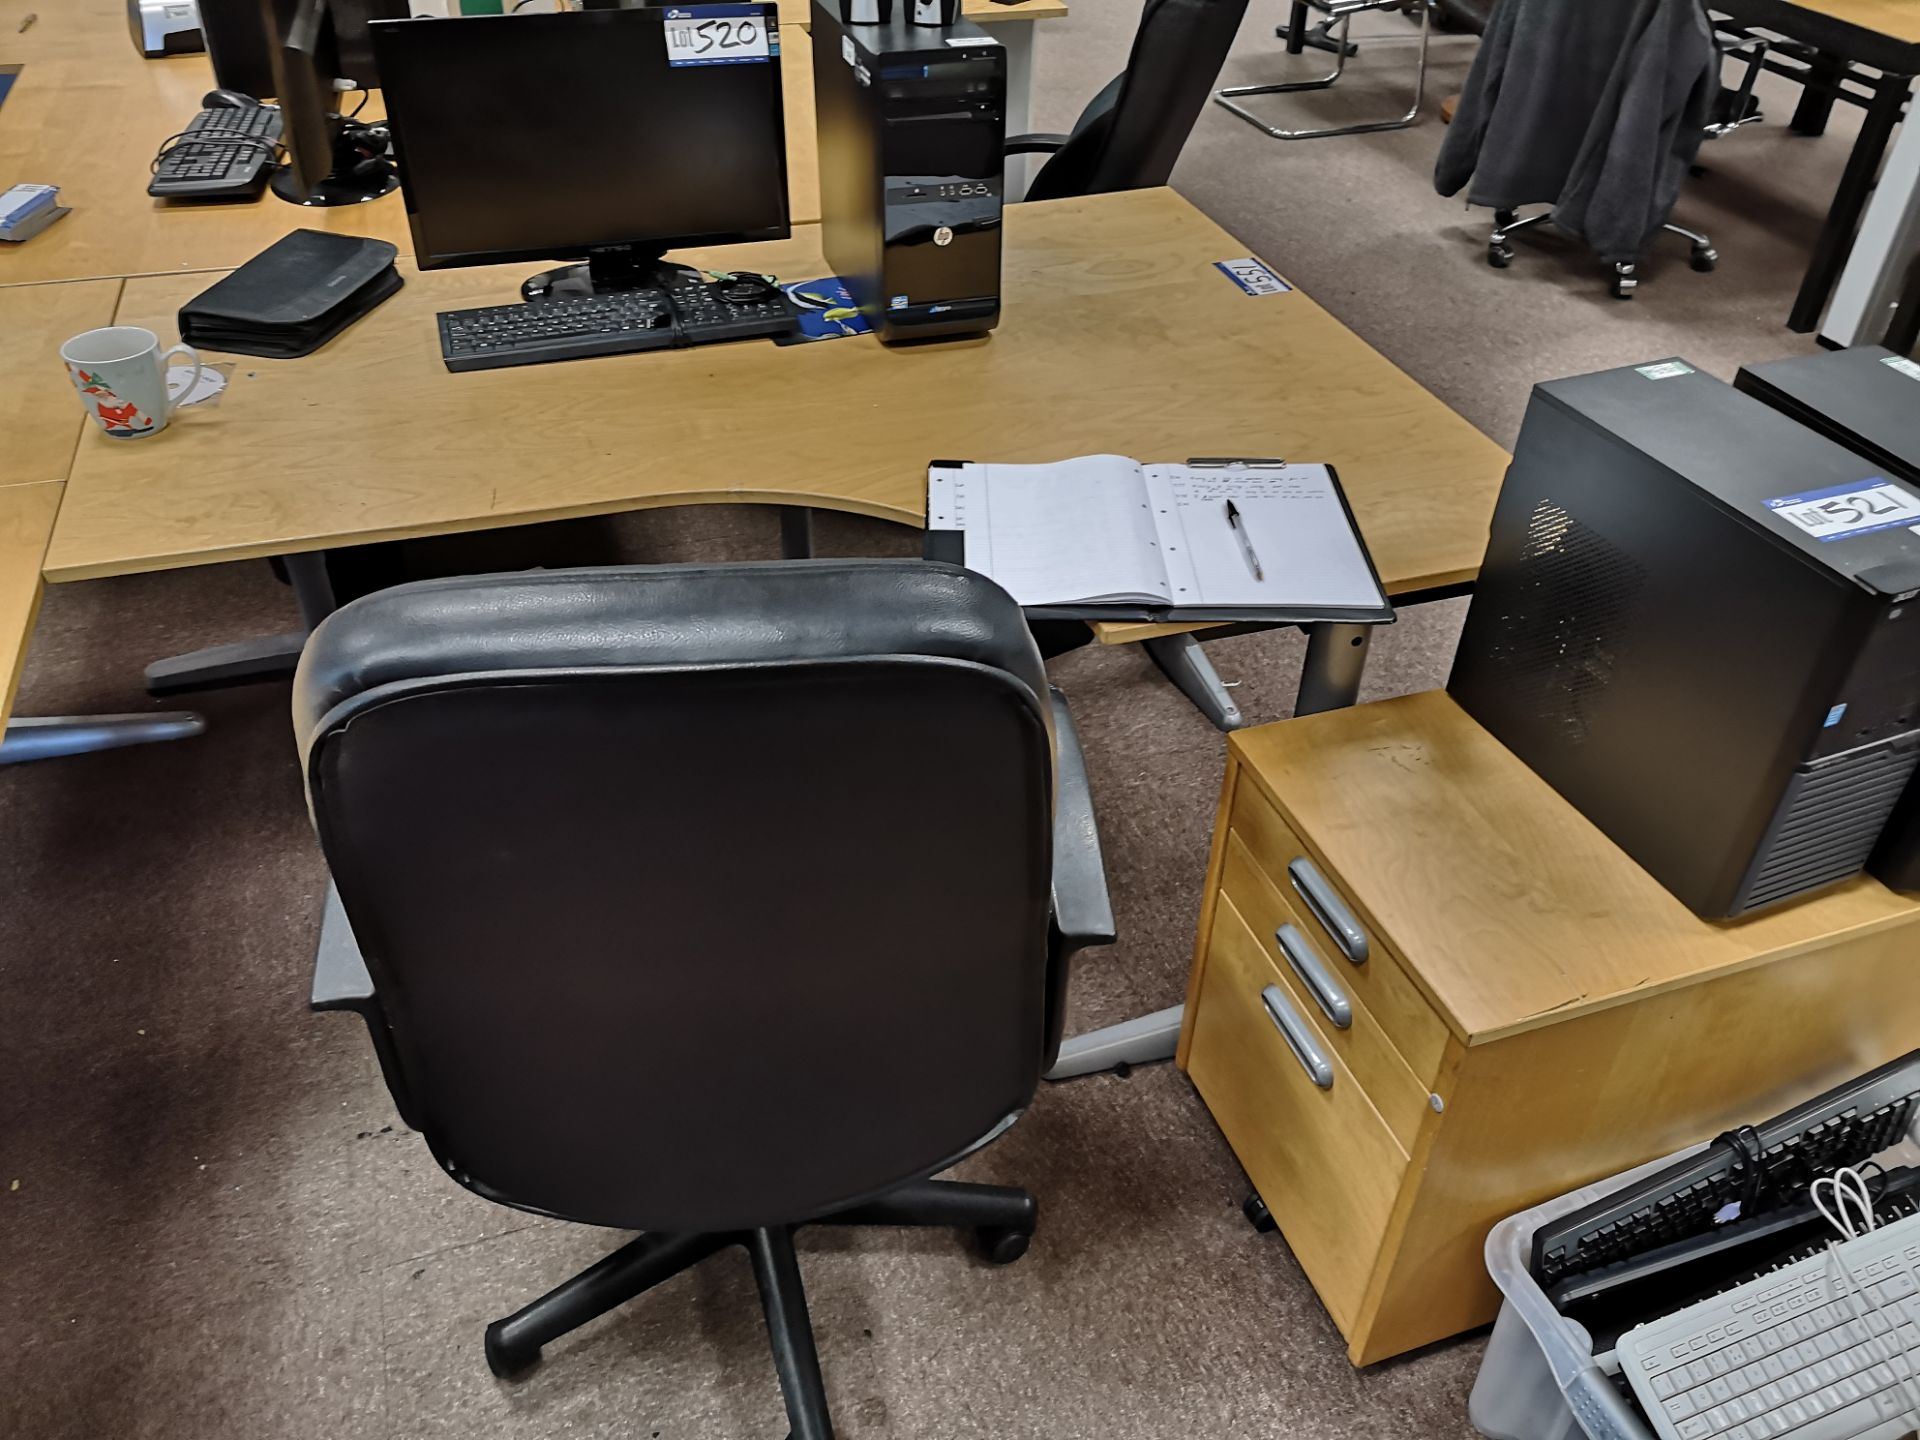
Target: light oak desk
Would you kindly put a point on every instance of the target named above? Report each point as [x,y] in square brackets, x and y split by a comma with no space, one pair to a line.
[40,421]
[1119,334]
[1883,35]
[86,113]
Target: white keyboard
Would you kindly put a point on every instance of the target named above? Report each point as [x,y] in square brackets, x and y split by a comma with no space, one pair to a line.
[1795,1353]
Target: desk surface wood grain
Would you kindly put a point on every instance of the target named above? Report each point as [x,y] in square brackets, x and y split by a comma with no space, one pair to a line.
[40,417]
[1521,913]
[87,113]
[1118,335]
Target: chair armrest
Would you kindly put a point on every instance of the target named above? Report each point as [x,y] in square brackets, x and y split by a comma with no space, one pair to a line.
[341,982]
[1082,907]
[1033,144]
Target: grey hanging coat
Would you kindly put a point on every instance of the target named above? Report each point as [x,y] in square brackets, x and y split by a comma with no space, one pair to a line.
[1596,107]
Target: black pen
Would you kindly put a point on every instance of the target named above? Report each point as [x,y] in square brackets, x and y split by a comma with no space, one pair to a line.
[1239,529]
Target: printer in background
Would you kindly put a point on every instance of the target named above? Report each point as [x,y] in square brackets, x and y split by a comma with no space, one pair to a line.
[1696,622]
[165,27]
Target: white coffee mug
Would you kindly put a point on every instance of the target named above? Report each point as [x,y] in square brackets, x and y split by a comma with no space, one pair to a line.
[121,374]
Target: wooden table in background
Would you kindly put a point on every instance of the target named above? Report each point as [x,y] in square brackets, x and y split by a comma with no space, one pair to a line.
[87,113]
[1106,297]
[1883,35]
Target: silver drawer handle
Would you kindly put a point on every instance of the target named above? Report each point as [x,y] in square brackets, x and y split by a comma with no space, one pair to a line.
[1298,1037]
[1313,973]
[1329,909]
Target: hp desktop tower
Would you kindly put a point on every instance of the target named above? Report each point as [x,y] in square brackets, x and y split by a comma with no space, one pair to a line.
[1868,399]
[1694,622]
[912,123]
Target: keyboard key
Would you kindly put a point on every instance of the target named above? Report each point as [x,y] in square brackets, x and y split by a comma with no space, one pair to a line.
[1719,1389]
[1695,1429]
[1772,1396]
[1680,1407]
[1755,1376]
[1774,1367]
[1718,1364]
[1663,1385]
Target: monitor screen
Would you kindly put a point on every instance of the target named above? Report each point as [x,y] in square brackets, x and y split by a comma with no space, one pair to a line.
[524,137]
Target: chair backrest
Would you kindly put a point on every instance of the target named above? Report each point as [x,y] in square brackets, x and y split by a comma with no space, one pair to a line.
[695,898]
[1132,132]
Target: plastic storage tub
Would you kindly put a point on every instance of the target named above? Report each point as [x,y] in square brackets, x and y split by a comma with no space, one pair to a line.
[1539,1380]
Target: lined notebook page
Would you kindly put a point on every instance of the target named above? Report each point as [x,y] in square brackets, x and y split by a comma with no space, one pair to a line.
[1077,530]
[1293,520]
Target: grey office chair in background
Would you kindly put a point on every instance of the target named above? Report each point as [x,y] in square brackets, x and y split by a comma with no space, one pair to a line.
[704,902]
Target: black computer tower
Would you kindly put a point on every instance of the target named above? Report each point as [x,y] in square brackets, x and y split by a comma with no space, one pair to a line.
[1868,399]
[1694,623]
[913,124]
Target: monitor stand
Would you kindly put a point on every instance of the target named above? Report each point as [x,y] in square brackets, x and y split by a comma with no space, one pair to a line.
[611,270]
[361,169]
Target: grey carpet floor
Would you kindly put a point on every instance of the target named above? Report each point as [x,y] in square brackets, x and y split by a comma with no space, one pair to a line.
[212,1223]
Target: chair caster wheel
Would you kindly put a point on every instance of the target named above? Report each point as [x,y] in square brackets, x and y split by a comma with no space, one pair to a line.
[1704,258]
[1258,1216]
[1624,286]
[1499,256]
[508,1361]
[1001,1246]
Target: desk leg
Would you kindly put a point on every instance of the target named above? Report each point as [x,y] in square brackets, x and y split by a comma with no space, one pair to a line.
[1330,680]
[796,532]
[273,657]
[1849,201]
[1336,659]
[1187,666]
[50,739]
[1017,37]
[1816,95]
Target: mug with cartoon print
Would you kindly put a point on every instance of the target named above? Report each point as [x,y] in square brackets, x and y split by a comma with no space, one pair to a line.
[121,374]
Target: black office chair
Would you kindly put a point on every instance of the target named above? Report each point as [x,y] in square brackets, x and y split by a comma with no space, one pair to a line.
[702,901]
[1132,132]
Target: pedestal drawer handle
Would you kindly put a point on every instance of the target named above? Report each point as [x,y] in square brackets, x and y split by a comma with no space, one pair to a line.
[1329,909]
[1313,973]
[1300,1039]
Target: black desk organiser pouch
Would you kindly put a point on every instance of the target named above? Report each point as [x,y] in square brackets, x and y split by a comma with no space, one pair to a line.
[292,297]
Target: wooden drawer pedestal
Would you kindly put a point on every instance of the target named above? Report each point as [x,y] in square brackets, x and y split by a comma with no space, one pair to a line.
[1527,1010]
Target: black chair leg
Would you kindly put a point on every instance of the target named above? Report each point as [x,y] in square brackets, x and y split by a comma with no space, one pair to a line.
[514,1344]
[777,1271]
[1002,1217]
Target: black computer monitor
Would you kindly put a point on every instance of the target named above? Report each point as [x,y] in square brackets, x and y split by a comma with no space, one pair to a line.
[330,159]
[240,45]
[242,36]
[571,136]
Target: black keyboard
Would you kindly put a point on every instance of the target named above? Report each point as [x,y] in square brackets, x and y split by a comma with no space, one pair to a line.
[688,311]
[1845,1126]
[225,165]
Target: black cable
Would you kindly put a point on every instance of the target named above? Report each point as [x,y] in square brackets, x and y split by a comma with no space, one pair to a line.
[214,135]
[1746,1140]
[365,95]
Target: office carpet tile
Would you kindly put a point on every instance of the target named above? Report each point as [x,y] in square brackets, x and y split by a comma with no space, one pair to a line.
[212,1224]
